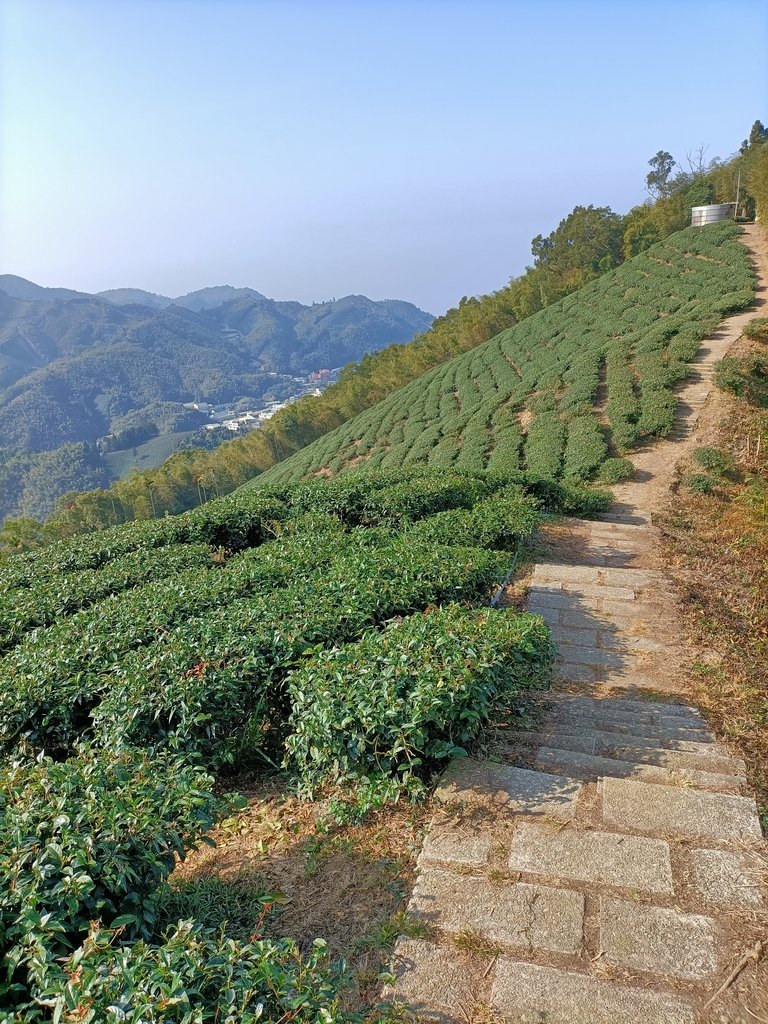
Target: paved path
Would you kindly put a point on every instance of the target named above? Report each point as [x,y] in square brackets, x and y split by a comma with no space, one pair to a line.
[608,868]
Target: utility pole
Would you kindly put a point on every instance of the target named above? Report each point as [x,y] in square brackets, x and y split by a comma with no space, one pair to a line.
[738,189]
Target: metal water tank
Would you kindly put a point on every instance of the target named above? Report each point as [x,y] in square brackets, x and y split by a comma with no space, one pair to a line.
[701,215]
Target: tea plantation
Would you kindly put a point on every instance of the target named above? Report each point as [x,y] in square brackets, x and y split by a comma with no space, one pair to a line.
[340,628]
[567,391]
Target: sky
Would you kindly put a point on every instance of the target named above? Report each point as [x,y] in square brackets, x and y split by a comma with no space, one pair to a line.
[309,149]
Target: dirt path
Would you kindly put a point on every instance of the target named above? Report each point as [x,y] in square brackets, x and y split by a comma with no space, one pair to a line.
[608,868]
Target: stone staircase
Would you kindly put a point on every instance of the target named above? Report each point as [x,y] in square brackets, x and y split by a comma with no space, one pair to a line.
[609,867]
[603,865]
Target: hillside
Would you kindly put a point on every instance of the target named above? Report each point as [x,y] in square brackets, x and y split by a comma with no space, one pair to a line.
[336,629]
[315,628]
[579,383]
[586,244]
[73,365]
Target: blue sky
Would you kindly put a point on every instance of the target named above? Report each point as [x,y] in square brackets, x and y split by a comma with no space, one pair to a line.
[314,149]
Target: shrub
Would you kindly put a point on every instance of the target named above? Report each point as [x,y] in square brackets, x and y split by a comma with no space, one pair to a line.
[715,460]
[407,698]
[746,378]
[585,448]
[700,483]
[92,838]
[757,329]
[498,522]
[195,976]
[613,471]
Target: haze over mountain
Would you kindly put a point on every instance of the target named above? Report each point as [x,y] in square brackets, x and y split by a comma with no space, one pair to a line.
[75,367]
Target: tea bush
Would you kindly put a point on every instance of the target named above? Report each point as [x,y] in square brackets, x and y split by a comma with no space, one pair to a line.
[745,377]
[757,329]
[613,471]
[410,696]
[194,976]
[91,838]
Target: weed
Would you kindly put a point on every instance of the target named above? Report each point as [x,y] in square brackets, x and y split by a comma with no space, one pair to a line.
[472,942]
[386,933]
[700,483]
[715,460]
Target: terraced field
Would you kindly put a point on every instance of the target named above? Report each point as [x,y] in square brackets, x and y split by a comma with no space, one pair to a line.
[565,391]
[339,629]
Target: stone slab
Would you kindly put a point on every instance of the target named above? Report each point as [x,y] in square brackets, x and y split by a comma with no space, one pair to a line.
[577,616]
[528,994]
[536,917]
[626,706]
[574,637]
[505,787]
[686,813]
[588,655]
[600,590]
[589,767]
[606,739]
[626,577]
[571,673]
[561,571]
[648,753]
[563,741]
[624,642]
[624,609]
[628,862]
[548,598]
[437,983]
[629,727]
[604,711]
[472,849]
[550,615]
[729,879]
[666,942]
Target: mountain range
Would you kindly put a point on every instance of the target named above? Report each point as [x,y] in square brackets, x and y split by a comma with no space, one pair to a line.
[74,365]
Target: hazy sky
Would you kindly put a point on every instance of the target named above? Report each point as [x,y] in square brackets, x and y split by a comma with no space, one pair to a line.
[397,148]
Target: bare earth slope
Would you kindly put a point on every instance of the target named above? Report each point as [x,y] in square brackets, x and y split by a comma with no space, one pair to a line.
[609,868]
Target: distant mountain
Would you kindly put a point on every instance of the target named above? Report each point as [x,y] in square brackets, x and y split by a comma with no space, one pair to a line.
[20,288]
[204,298]
[209,298]
[134,297]
[74,365]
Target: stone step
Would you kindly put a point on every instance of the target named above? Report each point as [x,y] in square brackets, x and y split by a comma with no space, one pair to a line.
[535,917]
[600,637]
[525,993]
[636,517]
[625,705]
[639,937]
[707,757]
[594,574]
[589,855]
[639,754]
[592,767]
[626,726]
[684,813]
[508,788]
[597,590]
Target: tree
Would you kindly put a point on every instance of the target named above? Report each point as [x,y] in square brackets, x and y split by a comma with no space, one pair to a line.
[657,180]
[757,136]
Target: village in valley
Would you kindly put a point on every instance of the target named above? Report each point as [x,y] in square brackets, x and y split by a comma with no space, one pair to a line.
[227,417]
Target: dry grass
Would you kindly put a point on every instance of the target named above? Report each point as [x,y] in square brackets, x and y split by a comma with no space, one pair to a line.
[717,547]
[348,885]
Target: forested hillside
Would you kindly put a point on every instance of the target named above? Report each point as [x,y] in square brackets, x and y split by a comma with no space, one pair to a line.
[587,243]
[74,366]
